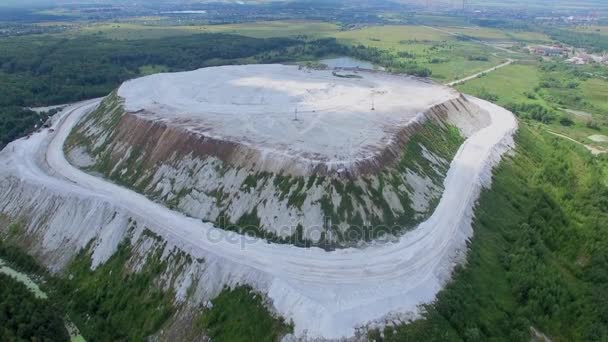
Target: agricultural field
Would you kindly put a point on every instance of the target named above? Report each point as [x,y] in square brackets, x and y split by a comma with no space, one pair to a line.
[494,34]
[392,36]
[596,93]
[134,31]
[452,49]
[445,55]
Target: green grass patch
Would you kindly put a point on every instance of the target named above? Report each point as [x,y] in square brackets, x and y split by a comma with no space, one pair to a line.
[512,84]
[596,93]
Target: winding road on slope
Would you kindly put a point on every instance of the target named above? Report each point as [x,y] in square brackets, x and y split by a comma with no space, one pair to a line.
[326,294]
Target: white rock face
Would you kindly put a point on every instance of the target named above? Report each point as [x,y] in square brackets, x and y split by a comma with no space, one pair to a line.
[255,105]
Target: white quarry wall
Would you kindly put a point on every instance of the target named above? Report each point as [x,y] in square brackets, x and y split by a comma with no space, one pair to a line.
[207,187]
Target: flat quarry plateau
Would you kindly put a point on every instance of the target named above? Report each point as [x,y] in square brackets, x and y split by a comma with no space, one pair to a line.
[164,160]
[290,115]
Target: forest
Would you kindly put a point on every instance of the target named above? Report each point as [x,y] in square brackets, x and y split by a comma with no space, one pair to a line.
[25,317]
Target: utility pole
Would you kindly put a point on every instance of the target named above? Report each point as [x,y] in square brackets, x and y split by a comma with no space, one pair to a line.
[373,106]
[295,114]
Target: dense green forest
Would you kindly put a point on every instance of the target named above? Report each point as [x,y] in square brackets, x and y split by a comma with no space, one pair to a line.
[23,317]
[539,257]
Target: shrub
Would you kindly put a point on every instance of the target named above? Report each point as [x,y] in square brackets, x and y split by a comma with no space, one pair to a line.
[566,121]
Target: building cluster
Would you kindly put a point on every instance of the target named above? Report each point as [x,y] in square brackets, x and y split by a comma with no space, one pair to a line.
[572,55]
[582,58]
[550,51]
[571,19]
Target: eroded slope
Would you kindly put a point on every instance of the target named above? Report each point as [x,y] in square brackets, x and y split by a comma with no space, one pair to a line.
[239,185]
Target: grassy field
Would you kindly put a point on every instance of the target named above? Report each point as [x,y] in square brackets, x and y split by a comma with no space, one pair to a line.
[446,56]
[493,34]
[386,37]
[509,84]
[132,31]
[596,92]
[519,84]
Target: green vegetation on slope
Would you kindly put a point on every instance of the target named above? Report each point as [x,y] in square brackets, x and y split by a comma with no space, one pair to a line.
[116,303]
[539,256]
[113,303]
[240,315]
[24,316]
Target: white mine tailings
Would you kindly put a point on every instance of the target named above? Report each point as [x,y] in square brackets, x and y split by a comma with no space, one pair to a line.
[340,120]
[325,155]
[327,294]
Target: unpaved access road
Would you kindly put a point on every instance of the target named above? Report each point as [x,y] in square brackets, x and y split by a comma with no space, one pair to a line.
[594,150]
[325,294]
[468,78]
